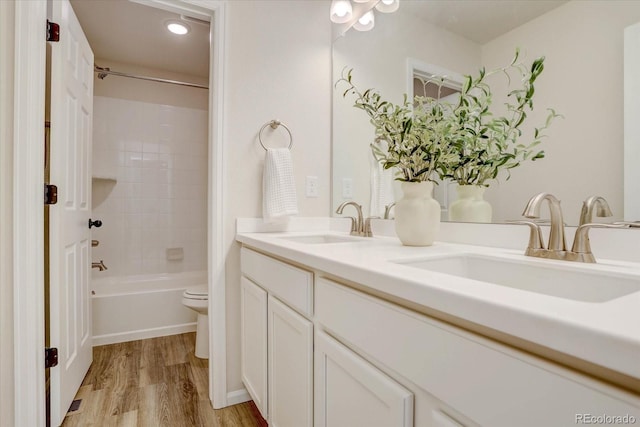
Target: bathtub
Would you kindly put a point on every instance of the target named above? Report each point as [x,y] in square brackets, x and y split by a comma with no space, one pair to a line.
[138,307]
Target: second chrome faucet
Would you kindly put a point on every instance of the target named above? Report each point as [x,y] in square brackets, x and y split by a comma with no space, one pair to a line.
[557,248]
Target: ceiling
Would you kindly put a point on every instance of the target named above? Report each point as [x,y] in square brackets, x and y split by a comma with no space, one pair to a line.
[478,20]
[124,31]
[133,33]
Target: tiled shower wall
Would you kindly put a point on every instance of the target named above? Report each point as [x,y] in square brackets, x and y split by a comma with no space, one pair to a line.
[149,187]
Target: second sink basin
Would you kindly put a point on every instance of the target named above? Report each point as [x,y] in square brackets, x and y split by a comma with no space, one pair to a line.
[321,239]
[587,286]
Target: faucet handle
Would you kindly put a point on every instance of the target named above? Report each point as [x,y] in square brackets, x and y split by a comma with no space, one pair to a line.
[535,235]
[366,232]
[581,243]
[631,224]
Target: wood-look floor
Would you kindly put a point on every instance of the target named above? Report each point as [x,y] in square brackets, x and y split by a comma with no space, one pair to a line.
[153,382]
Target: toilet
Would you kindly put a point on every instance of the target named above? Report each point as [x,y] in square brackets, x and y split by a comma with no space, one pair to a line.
[197,299]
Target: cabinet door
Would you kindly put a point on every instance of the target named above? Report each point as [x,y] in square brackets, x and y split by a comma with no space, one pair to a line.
[253,313]
[290,367]
[350,392]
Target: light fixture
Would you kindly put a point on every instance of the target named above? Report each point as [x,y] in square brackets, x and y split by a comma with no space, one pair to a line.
[387,6]
[341,11]
[177,27]
[366,22]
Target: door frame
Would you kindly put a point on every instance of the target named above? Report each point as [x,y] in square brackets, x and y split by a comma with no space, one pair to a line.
[27,240]
[214,12]
[27,141]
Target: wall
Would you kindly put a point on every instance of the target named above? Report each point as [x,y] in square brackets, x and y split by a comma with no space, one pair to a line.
[584,60]
[157,153]
[400,36]
[6,215]
[278,65]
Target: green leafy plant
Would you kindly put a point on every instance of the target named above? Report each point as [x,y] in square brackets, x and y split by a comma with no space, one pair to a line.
[483,144]
[416,138]
[464,141]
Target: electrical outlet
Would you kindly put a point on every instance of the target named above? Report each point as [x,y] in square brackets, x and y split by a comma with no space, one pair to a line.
[347,188]
[311,186]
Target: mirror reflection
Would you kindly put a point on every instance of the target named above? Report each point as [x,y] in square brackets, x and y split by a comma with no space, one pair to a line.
[582,80]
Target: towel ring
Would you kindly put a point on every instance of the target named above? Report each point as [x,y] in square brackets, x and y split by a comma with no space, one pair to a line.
[274,125]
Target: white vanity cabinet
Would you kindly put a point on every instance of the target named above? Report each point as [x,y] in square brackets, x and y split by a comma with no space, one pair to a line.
[319,352]
[290,372]
[490,383]
[277,339]
[253,309]
[350,392]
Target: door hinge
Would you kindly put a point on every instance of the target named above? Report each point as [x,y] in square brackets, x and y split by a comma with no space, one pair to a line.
[50,194]
[53,31]
[50,357]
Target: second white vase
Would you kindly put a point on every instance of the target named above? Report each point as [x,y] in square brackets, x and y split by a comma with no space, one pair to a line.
[470,206]
[417,214]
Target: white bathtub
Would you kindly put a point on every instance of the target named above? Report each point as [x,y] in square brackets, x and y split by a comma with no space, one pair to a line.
[138,307]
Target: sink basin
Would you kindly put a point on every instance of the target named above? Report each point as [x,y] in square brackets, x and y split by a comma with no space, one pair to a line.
[587,286]
[321,239]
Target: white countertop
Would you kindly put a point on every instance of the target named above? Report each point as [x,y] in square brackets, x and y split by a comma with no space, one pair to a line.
[603,333]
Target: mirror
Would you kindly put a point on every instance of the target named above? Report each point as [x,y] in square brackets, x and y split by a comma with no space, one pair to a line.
[582,80]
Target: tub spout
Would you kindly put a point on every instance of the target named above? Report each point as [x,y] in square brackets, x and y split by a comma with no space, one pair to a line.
[99,265]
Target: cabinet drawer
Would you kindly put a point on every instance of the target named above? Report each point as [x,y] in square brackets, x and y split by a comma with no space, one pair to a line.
[290,284]
[488,382]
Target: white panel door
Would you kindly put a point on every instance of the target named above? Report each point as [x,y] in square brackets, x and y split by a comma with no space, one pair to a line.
[350,392]
[253,315]
[70,262]
[290,376]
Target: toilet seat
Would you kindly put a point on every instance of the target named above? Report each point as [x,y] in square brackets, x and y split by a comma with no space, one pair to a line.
[197,293]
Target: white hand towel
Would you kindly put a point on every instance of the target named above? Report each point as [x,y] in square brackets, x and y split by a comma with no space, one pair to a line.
[278,186]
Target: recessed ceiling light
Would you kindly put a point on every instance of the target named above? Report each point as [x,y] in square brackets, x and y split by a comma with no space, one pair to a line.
[178,27]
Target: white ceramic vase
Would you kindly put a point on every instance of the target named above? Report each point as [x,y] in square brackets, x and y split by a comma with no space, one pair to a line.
[417,214]
[470,206]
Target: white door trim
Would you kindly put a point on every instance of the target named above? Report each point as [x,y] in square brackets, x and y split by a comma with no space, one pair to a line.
[217,274]
[28,212]
[215,10]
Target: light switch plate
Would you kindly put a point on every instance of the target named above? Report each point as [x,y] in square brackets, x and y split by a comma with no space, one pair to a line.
[311,186]
[347,188]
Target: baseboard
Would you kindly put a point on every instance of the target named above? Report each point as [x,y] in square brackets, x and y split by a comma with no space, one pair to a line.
[238,396]
[143,334]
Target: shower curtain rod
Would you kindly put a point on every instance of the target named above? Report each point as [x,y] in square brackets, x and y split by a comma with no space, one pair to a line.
[104,72]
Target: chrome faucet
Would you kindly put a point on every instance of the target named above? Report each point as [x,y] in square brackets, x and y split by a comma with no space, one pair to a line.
[387,210]
[99,265]
[588,206]
[357,225]
[556,235]
[581,248]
